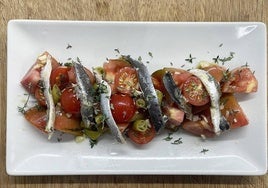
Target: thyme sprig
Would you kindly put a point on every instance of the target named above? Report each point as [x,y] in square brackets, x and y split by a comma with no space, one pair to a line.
[204,151]
[169,137]
[190,59]
[23,108]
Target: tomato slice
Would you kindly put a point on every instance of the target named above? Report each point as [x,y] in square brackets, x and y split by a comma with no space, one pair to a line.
[38,118]
[194,91]
[198,128]
[126,80]
[174,115]
[240,80]
[232,111]
[69,101]
[67,124]
[141,137]
[123,108]
[59,76]
[32,77]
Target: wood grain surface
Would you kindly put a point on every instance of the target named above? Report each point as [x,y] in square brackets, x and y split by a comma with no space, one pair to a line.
[127,10]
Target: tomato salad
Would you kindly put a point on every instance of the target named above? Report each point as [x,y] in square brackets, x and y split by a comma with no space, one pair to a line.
[123,99]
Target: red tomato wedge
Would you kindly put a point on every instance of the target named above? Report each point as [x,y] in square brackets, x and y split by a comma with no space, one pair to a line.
[198,128]
[38,117]
[232,111]
[32,77]
[240,80]
[216,71]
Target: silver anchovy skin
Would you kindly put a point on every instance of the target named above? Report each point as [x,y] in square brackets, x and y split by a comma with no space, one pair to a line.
[85,93]
[51,112]
[176,96]
[106,108]
[213,88]
[147,87]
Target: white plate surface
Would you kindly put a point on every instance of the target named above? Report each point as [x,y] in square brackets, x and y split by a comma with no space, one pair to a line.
[239,152]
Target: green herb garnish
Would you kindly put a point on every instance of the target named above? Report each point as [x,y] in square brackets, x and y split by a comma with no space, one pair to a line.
[69,46]
[178,141]
[190,59]
[169,137]
[204,151]
[22,109]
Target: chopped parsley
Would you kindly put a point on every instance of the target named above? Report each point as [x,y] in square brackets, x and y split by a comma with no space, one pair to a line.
[150,54]
[178,141]
[92,143]
[204,151]
[224,59]
[69,46]
[169,137]
[22,109]
[117,50]
[190,59]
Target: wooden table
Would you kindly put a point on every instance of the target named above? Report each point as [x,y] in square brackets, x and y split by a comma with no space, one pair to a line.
[134,10]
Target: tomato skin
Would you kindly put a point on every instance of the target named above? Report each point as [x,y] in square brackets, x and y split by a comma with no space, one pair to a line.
[232,111]
[174,115]
[198,128]
[126,80]
[38,118]
[69,101]
[71,125]
[240,80]
[123,108]
[60,77]
[33,75]
[194,91]
[217,72]
[139,137]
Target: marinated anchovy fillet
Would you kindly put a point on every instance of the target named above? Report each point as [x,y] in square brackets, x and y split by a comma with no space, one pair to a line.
[51,112]
[149,92]
[176,95]
[85,93]
[105,96]
[213,88]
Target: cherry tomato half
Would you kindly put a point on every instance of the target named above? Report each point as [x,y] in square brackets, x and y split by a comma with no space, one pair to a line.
[69,101]
[194,91]
[126,80]
[59,76]
[141,137]
[123,108]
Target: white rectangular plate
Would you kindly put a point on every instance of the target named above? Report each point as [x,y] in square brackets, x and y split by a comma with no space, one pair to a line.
[239,152]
